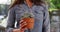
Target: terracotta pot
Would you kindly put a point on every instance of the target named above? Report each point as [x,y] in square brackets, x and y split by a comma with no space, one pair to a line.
[30,22]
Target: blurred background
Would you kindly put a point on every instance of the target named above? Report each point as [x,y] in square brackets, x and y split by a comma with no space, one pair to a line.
[54,12]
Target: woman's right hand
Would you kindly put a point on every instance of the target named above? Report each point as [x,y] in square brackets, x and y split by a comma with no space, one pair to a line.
[22,24]
[22,27]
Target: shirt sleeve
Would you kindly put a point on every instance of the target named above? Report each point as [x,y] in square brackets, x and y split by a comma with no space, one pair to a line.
[46,21]
[11,20]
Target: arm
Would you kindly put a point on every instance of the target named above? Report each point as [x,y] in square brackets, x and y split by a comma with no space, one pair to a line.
[10,21]
[46,22]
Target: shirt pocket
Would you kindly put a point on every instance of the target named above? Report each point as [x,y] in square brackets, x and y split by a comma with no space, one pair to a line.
[38,14]
[38,11]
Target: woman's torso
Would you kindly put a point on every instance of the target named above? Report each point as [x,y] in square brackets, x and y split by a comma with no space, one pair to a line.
[38,15]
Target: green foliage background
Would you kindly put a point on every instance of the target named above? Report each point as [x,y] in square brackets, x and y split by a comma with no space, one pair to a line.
[56,3]
[53,4]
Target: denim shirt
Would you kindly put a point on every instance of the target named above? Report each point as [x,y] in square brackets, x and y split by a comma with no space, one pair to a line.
[41,15]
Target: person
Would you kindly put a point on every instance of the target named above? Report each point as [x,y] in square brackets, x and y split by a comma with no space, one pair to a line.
[39,9]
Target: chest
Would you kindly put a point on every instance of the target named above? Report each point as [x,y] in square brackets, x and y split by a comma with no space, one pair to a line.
[37,12]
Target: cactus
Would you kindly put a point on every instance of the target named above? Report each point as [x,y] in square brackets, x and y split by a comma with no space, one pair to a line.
[29,18]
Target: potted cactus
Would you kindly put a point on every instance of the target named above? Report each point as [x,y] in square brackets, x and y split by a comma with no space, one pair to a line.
[29,18]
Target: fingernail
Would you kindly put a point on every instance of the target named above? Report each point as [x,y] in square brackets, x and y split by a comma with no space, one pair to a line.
[24,22]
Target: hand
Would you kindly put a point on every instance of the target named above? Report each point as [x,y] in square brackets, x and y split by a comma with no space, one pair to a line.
[23,25]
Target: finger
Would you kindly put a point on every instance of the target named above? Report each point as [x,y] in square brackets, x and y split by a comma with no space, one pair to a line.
[21,21]
[23,26]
